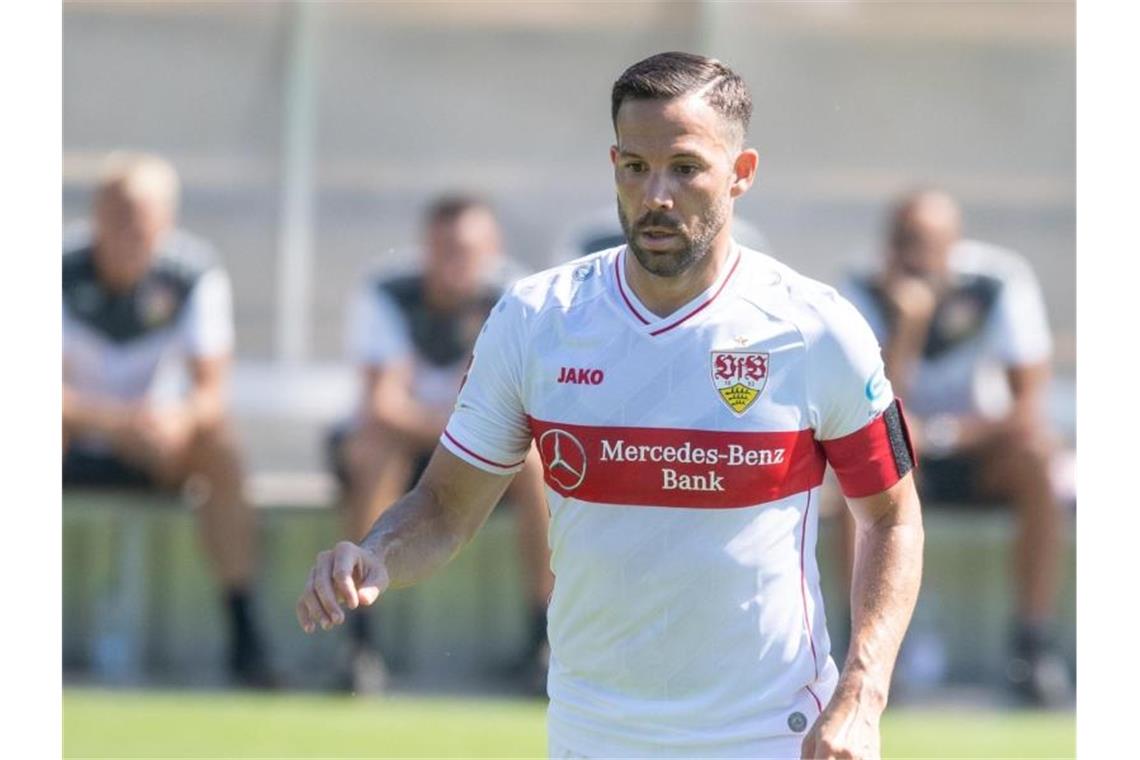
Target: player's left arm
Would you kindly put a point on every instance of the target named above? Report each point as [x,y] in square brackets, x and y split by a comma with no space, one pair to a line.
[885,582]
[862,429]
[208,336]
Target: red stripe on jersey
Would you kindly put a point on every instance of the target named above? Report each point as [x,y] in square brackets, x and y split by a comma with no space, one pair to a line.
[875,457]
[617,273]
[482,459]
[670,467]
[704,305]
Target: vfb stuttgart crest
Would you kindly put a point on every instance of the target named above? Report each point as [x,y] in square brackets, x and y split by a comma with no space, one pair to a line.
[739,377]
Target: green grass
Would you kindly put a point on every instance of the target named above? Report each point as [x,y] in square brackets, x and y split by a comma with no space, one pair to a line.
[197,724]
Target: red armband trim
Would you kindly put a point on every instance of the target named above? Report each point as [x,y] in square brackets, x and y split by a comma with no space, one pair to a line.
[875,457]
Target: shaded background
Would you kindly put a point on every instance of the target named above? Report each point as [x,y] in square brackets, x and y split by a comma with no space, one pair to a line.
[853,103]
[314,134]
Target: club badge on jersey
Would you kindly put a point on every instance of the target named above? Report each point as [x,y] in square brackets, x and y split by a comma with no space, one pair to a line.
[739,377]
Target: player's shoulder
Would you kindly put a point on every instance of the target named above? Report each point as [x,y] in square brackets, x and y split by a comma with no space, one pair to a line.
[402,286]
[812,306]
[77,249]
[185,258]
[564,287]
[978,259]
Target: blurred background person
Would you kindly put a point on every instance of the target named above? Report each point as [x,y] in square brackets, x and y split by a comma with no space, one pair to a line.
[140,297]
[412,336]
[967,346]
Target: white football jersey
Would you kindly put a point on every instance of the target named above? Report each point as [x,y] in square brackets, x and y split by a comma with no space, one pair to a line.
[992,318]
[130,346]
[683,457]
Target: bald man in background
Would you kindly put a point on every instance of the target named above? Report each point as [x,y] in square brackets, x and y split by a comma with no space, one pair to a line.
[966,345]
[141,298]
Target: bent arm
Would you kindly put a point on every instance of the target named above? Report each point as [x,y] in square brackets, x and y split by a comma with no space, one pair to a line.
[885,582]
[388,401]
[427,527]
[205,406]
[84,414]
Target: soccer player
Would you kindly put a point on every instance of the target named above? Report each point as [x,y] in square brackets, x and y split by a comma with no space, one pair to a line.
[966,342]
[686,394]
[140,297]
[412,338]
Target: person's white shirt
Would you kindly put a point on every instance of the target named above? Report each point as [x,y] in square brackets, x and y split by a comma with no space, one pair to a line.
[993,318]
[134,346]
[683,457]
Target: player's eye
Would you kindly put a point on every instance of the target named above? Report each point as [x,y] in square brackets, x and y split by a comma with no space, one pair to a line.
[686,170]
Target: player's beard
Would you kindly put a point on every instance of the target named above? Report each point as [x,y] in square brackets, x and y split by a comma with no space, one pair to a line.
[696,242]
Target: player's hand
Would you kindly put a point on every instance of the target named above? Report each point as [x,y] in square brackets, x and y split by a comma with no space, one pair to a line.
[844,730]
[350,575]
[911,298]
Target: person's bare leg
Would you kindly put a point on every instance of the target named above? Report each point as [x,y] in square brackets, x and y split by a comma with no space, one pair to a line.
[226,521]
[227,528]
[379,471]
[1019,471]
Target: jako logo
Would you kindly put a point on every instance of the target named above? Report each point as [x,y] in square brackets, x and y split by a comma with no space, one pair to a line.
[581,376]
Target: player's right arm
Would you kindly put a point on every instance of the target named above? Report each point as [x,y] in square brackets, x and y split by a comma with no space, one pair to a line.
[483,446]
[419,534]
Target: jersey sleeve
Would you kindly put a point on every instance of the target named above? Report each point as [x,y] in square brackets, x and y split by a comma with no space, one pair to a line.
[1022,329]
[488,428]
[376,332]
[852,407]
[209,319]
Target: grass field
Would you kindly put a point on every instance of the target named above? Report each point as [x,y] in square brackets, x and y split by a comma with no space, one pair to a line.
[198,724]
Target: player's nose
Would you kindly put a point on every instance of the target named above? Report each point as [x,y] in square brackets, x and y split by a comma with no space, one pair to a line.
[658,194]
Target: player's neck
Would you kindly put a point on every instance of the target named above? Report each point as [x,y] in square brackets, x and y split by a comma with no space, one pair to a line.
[664,295]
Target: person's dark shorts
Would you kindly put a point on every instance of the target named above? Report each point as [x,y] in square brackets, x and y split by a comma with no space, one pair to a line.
[338,464]
[100,470]
[950,480]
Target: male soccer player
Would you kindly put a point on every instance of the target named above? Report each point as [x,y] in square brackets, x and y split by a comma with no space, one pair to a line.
[138,297]
[686,394]
[967,341]
[412,337]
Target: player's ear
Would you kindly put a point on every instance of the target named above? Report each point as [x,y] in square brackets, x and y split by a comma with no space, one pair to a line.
[613,154]
[744,171]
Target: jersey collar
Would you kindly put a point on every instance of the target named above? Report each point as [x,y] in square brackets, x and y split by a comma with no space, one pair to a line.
[649,323]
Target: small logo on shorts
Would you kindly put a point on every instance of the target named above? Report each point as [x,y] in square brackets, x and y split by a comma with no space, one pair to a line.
[797,721]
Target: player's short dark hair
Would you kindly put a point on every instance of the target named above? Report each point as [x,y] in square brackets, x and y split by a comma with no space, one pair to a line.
[671,75]
[447,208]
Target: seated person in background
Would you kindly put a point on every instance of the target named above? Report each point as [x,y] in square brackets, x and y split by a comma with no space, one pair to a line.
[966,344]
[139,296]
[412,337]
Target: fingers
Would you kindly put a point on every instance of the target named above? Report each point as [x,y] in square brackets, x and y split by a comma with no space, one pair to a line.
[344,566]
[308,608]
[317,605]
[334,579]
[373,584]
[325,593]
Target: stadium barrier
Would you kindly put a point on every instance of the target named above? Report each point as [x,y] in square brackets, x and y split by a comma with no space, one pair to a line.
[139,605]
